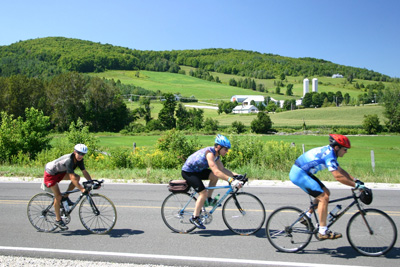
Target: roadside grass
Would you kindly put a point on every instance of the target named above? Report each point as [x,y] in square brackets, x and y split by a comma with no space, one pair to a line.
[357,161]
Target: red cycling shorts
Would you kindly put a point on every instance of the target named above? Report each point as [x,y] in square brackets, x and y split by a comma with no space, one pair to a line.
[51,180]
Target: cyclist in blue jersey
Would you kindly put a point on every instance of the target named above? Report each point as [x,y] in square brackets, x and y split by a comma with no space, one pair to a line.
[63,169]
[205,164]
[314,160]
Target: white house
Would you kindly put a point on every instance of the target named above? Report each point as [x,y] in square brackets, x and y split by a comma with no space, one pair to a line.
[337,75]
[245,109]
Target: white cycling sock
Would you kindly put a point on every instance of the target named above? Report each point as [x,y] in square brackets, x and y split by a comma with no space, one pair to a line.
[322,229]
[308,214]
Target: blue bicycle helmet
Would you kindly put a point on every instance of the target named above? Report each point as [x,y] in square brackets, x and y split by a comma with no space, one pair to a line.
[222,141]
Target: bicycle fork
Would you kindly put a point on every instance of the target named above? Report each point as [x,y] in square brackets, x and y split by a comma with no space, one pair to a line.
[93,206]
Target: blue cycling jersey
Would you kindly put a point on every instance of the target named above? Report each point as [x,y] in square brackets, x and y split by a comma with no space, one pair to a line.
[198,161]
[318,159]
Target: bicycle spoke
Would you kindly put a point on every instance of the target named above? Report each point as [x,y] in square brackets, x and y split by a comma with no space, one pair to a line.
[285,232]
[41,213]
[176,211]
[373,236]
[243,213]
[98,215]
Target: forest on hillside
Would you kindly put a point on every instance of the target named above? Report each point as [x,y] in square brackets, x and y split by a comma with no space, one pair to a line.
[48,74]
[53,55]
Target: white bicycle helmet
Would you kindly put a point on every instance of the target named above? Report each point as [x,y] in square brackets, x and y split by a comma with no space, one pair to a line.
[81,148]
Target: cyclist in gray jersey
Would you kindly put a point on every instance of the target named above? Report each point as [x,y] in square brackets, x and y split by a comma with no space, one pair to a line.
[206,164]
[63,168]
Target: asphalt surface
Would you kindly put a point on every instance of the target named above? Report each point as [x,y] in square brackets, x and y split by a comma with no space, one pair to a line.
[141,237]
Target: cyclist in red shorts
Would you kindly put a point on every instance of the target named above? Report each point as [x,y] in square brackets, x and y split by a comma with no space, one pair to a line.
[63,169]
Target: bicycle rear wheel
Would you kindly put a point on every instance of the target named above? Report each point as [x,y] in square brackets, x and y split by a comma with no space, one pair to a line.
[176,211]
[379,240]
[285,231]
[41,212]
[243,213]
[97,214]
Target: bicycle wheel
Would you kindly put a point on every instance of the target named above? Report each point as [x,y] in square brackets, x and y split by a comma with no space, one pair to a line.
[379,240]
[243,213]
[97,214]
[284,233]
[176,211]
[41,212]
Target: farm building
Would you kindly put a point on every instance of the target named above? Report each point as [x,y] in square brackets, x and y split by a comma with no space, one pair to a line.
[245,109]
[337,75]
[242,98]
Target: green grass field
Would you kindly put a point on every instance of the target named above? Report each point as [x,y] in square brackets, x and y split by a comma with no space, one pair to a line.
[211,92]
[344,115]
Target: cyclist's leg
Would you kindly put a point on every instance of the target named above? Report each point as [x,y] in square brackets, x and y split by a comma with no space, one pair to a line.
[314,187]
[213,182]
[57,200]
[323,201]
[194,179]
[52,181]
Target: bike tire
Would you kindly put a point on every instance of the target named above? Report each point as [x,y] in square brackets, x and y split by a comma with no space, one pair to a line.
[382,238]
[246,216]
[41,213]
[101,222]
[283,234]
[172,214]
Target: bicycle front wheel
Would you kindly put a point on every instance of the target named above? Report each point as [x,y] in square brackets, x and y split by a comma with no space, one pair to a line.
[41,212]
[243,213]
[371,234]
[176,210]
[285,231]
[97,214]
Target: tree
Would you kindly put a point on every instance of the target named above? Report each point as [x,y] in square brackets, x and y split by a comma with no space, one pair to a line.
[189,119]
[166,115]
[371,124]
[307,100]
[262,124]
[391,100]
[289,89]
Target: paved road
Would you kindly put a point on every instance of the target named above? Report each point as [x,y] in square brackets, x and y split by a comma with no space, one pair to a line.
[140,235]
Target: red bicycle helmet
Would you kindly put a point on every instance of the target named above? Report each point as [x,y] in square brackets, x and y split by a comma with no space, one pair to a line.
[339,140]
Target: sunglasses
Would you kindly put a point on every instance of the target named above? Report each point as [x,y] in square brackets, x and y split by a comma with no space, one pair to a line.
[81,154]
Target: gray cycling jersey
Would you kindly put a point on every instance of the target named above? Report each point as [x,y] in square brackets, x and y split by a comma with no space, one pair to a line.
[64,164]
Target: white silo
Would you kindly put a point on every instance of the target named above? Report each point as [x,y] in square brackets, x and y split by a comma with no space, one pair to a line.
[315,85]
[306,83]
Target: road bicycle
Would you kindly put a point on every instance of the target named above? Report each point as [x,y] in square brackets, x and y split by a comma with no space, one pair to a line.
[243,213]
[96,212]
[371,232]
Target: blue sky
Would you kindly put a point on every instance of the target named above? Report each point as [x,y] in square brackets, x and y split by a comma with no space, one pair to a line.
[358,33]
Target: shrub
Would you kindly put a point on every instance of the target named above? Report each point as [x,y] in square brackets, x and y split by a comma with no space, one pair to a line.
[23,137]
[371,124]
[252,151]
[238,127]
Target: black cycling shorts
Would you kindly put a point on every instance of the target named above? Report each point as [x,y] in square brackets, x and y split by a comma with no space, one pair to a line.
[194,179]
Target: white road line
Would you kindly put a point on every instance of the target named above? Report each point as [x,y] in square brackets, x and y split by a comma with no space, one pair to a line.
[170,257]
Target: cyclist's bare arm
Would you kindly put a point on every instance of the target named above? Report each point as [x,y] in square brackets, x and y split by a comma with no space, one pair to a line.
[74,180]
[344,177]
